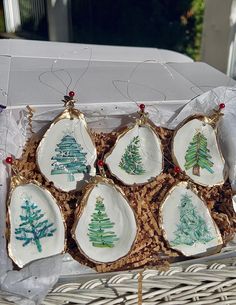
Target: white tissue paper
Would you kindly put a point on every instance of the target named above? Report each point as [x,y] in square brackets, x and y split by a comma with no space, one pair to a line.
[204,104]
[32,283]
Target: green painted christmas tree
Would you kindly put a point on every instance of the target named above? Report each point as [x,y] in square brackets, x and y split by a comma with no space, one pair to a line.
[192,227]
[131,161]
[70,158]
[100,223]
[198,155]
[33,225]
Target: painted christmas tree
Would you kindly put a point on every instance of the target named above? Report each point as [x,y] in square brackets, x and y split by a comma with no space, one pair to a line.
[33,225]
[70,158]
[198,155]
[131,161]
[99,233]
[192,227]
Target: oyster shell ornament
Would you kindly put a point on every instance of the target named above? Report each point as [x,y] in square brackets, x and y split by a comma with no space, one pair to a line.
[187,223]
[136,157]
[66,153]
[35,224]
[105,225]
[196,151]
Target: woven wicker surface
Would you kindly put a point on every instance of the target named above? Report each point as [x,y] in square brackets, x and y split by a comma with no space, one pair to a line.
[197,284]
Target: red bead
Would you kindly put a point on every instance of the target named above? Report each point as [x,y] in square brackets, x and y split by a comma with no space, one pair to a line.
[222,106]
[100,163]
[9,160]
[177,169]
[142,107]
[71,94]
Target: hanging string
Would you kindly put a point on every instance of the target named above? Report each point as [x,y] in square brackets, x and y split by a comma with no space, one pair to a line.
[67,86]
[144,152]
[129,81]
[85,70]
[55,73]
[128,95]
[131,76]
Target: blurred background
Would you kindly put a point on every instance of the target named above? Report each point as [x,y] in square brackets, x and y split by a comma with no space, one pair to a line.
[202,29]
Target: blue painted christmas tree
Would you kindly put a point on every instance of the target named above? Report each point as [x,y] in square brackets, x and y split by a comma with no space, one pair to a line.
[33,226]
[99,234]
[192,227]
[70,158]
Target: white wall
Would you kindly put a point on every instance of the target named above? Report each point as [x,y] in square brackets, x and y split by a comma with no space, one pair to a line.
[58,20]
[12,15]
[216,33]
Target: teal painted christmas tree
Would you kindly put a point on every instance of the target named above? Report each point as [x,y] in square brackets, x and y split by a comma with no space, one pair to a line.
[198,155]
[192,228]
[70,158]
[33,225]
[131,161]
[99,233]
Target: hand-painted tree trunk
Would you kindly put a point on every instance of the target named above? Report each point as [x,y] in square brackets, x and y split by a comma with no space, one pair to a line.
[38,244]
[196,170]
[198,155]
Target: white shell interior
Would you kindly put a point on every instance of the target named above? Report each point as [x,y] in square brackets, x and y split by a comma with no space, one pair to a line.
[119,213]
[51,245]
[149,150]
[234,203]
[48,144]
[170,214]
[181,143]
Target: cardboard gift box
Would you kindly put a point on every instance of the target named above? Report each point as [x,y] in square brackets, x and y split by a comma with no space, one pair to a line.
[21,63]
[109,81]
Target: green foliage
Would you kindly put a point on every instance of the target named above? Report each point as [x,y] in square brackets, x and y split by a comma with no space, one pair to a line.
[34,23]
[131,161]
[33,227]
[192,227]
[198,155]
[156,23]
[2,21]
[100,223]
[196,26]
[70,158]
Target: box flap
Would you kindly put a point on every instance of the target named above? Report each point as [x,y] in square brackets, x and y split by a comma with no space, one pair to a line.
[45,49]
[27,78]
